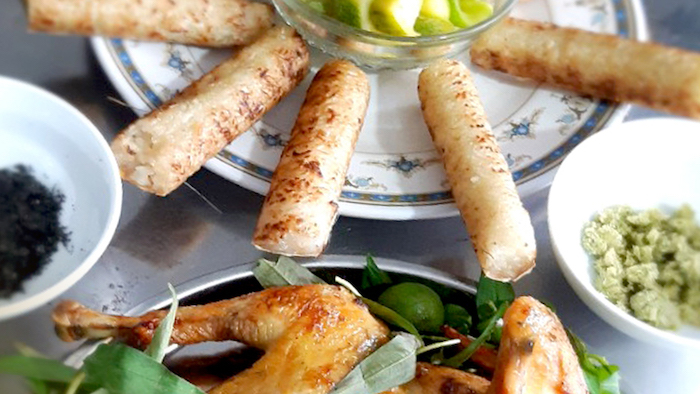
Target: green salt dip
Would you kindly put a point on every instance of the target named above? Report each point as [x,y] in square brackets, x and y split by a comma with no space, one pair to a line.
[648,263]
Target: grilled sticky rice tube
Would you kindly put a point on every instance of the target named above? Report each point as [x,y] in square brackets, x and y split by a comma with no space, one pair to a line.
[160,151]
[603,66]
[214,23]
[302,204]
[481,182]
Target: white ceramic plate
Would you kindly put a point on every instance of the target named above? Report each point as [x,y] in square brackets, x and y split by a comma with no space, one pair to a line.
[395,173]
[652,163]
[64,150]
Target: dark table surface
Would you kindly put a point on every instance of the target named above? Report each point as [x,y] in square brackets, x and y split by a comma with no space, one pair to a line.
[147,250]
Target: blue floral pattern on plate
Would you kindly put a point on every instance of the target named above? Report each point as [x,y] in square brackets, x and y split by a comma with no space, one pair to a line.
[534,136]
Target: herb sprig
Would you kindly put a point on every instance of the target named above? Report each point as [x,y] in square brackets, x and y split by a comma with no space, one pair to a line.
[601,377]
[111,369]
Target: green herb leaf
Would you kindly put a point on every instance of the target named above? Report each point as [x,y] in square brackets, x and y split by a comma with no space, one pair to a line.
[460,358]
[495,337]
[577,344]
[490,294]
[75,383]
[391,317]
[601,377]
[373,275]
[438,357]
[389,366]
[44,376]
[42,387]
[37,368]
[435,338]
[37,386]
[161,337]
[458,318]
[438,345]
[122,370]
[284,272]
[611,384]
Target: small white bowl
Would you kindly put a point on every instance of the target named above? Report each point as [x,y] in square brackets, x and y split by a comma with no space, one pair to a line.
[65,150]
[652,163]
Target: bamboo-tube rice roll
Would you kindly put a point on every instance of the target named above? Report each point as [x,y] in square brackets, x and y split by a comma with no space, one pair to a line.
[598,65]
[214,23]
[302,204]
[160,151]
[481,182]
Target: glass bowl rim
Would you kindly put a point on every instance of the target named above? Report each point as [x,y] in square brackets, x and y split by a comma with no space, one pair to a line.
[310,14]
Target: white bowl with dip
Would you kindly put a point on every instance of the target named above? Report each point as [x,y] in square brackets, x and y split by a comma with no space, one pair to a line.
[64,150]
[644,164]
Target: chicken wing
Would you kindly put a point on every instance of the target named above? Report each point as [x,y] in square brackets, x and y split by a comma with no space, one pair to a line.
[535,355]
[312,335]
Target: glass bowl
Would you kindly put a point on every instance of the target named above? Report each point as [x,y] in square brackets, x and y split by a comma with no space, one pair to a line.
[377,51]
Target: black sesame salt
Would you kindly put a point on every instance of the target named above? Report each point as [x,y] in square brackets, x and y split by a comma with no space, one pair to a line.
[30,230]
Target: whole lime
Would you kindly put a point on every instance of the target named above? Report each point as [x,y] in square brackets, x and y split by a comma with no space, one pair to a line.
[417,303]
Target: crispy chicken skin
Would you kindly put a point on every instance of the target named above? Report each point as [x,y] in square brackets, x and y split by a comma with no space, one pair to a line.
[433,379]
[312,335]
[535,355]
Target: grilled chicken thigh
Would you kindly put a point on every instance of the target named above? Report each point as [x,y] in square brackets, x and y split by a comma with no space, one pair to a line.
[312,335]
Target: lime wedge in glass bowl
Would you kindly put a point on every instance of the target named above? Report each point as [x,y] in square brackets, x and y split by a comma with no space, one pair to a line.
[423,24]
[429,26]
[467,13]
[439,9]
[395,17]
[354,13]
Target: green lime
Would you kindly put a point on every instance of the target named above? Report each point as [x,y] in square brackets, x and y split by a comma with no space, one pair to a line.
[395,17]
[351,12]
[476,10]
[467,13]
[416,302]
[436,9]
[427,26]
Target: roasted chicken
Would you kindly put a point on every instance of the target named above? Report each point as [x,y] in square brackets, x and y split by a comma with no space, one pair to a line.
[314,335]
[535,355]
